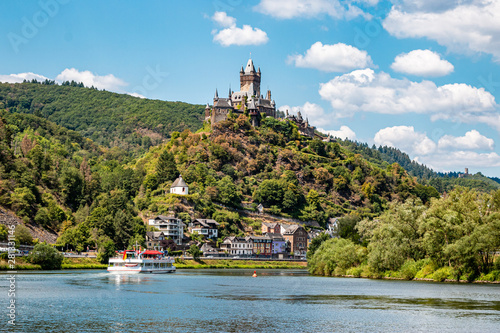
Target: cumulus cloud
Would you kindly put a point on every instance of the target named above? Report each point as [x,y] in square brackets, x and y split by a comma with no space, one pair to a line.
[422,63]
[343,133]
[406,139]
[89,79]
[232,35]
[367,91]
[472,140]
[223,20]
[18,78]
[461,26]
[289,9]
[332,58]
[313,112]
[447,154]
[466,159]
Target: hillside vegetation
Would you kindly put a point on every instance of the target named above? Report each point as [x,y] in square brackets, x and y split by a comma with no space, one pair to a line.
[109,119]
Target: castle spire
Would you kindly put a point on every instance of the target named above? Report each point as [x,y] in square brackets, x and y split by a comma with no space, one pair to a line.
[230,92]
[216,94]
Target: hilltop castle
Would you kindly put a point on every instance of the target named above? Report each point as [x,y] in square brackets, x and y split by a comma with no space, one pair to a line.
[249,100]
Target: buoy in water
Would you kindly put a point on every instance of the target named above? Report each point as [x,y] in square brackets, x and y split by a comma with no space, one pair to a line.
[254,274]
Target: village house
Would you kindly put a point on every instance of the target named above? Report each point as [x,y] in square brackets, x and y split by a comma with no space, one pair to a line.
[262,245]
[272,228]
[297,236]
[278,243]
[209,250]
[205,227]
[153,239]
[237,246]
[171,227]
[179,186]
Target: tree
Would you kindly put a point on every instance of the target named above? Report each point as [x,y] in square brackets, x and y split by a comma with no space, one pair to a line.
[23,235]
[72,187]
[3,232]
[166,169]
[227,193]
[106,249]
[316,243]
[46,256]
[195,251]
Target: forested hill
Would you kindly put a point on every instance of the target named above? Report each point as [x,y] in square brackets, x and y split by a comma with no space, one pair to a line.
[384,156]
[109,119]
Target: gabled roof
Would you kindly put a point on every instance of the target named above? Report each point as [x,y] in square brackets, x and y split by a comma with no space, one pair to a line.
[292,229]
[179,182]
[154,234]
[270,225]
[166,218]
[208,223]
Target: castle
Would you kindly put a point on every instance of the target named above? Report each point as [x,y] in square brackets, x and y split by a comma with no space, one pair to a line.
[249,101]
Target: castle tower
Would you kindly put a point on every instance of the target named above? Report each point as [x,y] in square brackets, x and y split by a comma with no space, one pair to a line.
[249,77]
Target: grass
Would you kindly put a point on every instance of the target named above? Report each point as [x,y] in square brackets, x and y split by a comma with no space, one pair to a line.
[229,263]
[92,263]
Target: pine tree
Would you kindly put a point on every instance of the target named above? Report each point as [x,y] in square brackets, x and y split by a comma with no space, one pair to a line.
[166,169]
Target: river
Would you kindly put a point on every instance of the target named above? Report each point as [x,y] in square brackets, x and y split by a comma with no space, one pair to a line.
[233,301]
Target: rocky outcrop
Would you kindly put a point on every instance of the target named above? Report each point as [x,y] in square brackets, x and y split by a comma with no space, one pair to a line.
[9,218]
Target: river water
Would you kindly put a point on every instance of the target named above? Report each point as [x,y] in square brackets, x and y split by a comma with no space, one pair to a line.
[233,301]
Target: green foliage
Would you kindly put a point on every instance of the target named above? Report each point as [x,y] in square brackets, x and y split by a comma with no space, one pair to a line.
[166,169]
[316,243]
[46,256]
[335,253]
[23,235]
[195,252]
[106,249]
[4,233]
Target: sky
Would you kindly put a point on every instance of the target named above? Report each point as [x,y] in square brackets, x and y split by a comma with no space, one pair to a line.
[419,75]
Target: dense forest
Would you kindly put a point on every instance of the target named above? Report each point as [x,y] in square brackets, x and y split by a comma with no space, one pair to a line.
[114,120]
[443,182]
[454,237]
[97,193]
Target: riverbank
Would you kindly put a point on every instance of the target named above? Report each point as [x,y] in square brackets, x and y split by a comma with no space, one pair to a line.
[92,263]
[427,272]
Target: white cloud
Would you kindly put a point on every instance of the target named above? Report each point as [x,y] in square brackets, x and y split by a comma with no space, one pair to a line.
[343,133]
[473,140]
[18,78]
[448,154]
[89,79]
[332,58]
[223,20]
[136,95]
[367,91]
[313,112]
[422,63]
[466,159]
[232,35]
[288,9]
[461,26]
[406,139]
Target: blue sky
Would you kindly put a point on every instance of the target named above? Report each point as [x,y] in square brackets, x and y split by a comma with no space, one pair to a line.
[422,76]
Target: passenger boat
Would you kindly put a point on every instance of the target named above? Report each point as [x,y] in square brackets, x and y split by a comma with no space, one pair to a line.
[148,261]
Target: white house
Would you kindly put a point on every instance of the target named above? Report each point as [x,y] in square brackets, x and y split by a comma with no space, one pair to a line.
[206,227]
[237,246]
[179,186]
[170,226]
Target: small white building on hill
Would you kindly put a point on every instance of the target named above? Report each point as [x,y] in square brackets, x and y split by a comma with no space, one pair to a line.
[179,186]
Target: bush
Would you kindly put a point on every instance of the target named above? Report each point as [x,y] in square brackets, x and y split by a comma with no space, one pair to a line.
[355,271]
[408,270]
[442,274]
[46,256]
[427,269]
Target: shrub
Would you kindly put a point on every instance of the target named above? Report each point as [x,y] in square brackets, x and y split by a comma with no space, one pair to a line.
[408,270]
[46,256]
[442,274]
[355,271]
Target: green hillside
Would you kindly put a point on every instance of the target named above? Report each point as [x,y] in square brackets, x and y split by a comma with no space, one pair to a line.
[109,119]
[443,182]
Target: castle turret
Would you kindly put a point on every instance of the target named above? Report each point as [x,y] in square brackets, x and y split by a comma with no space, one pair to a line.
[249,76]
